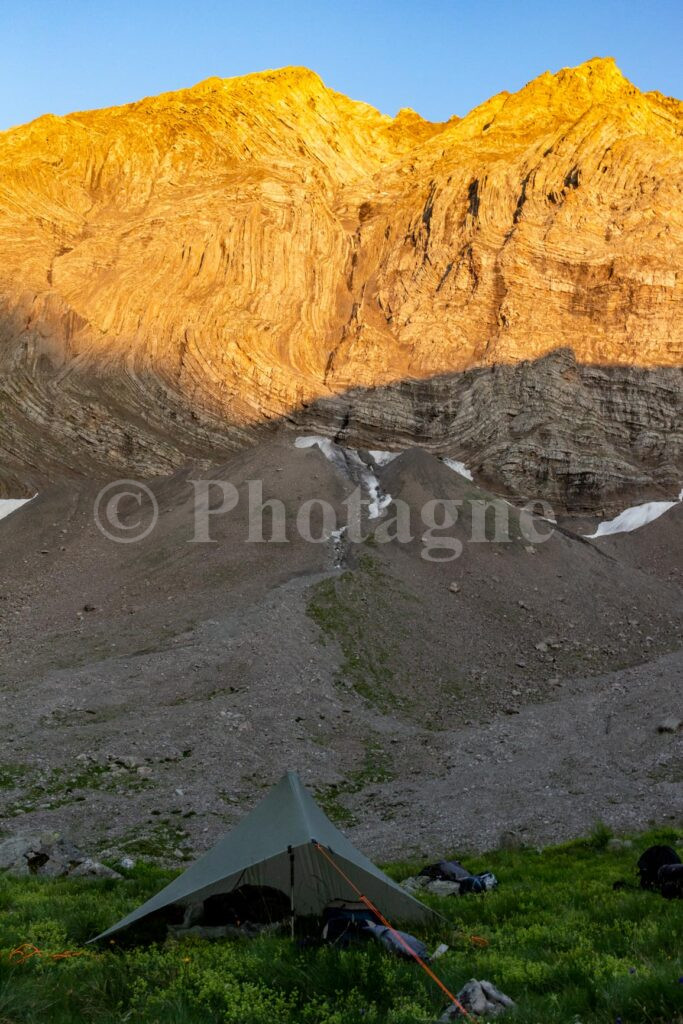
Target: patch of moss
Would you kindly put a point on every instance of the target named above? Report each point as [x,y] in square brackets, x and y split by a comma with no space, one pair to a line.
[671,772]
[63,786]
[343,608]
[157,843]
[10,775]
[374,769]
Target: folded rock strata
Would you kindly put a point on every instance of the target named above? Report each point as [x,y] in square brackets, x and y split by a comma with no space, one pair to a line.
[505,287]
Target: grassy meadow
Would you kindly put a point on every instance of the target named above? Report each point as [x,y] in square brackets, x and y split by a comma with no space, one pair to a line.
[554,936]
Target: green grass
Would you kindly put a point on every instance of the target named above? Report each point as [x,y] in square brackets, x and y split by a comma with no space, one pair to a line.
[61,787]
[566,946]
[373,769]
[157,842]
[10,775]
[340,607]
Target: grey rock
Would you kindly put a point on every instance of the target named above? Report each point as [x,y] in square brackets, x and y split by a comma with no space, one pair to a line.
[479,998]
[93,869]
[62,850]
[619,844]
[442,888]
[13,853]
[49,857]
[414,883]
[670,724]
[126,761]
[494,995]
[473,998]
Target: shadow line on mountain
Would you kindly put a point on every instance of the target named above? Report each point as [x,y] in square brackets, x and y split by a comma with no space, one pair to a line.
[580,435]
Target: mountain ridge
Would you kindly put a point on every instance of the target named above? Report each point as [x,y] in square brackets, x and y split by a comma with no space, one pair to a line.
[241,250]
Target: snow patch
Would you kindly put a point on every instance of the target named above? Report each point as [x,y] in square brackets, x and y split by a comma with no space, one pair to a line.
[338,546]
[311,441]
[351,463]
[458,467]
[633,518]
[9,505]
[324,444]
[378,499]
[334,452]
[383,458]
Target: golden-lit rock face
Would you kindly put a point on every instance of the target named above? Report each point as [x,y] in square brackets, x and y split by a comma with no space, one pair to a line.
[234,252]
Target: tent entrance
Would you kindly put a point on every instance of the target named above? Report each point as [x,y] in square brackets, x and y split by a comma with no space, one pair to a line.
[257,904]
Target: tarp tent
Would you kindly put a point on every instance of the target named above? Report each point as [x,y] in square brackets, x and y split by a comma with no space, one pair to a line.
[275,845]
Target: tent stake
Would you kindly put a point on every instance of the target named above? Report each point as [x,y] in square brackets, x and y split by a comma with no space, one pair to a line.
[290,851]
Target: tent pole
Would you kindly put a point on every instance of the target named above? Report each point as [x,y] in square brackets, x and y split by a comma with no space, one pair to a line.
[290,851]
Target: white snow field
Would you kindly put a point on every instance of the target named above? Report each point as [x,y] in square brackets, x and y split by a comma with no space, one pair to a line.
[356,468]
[633,518]
[383,458]
[458,467]
[9,505]
[353,465]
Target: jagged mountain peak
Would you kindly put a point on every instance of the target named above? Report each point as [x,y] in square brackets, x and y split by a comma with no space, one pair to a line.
[596,81]
[555,100]
[600,76]
[263,248]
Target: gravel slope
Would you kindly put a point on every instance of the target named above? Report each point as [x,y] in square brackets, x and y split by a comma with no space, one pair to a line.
[525,702]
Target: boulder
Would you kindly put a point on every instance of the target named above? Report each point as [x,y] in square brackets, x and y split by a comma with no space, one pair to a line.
[13,854]
[414,883]
[619,844]
[442,888]
[480,999]
[50,857]
[90,868]
[494,995]
[424,883]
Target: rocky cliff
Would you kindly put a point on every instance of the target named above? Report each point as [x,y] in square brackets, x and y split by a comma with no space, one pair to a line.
[506,287]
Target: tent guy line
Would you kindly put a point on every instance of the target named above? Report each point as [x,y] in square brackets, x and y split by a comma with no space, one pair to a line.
[387,924]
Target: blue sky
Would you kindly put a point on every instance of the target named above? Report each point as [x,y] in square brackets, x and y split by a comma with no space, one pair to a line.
[439,57]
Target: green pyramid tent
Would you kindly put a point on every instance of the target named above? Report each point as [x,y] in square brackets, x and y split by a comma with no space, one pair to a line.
[275,845]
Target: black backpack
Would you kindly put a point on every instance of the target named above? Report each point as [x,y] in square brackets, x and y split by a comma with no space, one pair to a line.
[649,863]
[445,871]
[670,878]
[344,922]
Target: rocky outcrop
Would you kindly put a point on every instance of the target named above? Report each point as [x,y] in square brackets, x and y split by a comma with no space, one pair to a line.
[49,856]
[585,437]
[180,271]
